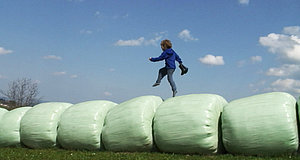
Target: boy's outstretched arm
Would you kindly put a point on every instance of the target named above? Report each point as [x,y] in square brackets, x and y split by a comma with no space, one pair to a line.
[161,57]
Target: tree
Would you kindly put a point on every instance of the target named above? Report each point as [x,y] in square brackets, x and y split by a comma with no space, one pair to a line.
[24,92]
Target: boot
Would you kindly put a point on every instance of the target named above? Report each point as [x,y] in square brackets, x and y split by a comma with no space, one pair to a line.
[155,84]
[184,69]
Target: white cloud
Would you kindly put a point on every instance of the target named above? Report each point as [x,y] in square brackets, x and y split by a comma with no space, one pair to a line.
[186,35]
[112,70]
[255,87]
[107,93]
[212,60]
[85,31]
[140,41]
[284,70]
[59,73]
[286,85]
[97,14]
[63,73]
[121,16]
[75,0]
[246,2]
[241,63]
[2,77]
[4,51]
[54,57]
[153,41]
[125,16]
[255,59]
[133,42]
[37,81]
[286,46]
[74,76]
[292,30]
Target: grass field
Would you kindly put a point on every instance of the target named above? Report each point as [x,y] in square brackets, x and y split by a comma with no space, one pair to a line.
[55,154]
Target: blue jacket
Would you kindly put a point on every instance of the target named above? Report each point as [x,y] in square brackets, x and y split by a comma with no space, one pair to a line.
[169,55]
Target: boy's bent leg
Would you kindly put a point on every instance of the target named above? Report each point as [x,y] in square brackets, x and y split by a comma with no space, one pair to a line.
[161,74]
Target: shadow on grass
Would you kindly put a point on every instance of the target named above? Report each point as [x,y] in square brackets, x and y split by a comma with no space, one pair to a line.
[18,153]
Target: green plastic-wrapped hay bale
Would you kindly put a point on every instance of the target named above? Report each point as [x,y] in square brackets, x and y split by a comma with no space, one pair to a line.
[128,126]
[2,112]
[189,124]
[81,125]
[298,105]
[39,124]
[264,124]
[10,127]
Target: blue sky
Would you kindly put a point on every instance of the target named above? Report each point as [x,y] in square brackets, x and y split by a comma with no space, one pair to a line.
[80,50]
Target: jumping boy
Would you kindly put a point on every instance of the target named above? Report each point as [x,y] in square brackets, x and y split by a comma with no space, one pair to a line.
[169,55]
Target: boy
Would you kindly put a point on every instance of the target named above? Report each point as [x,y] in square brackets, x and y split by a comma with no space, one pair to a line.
[169,55]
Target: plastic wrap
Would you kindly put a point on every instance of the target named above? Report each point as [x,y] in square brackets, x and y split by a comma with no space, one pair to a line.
[10,127]
[128,126]
[189,124]
[2,112]
[81,125]
[39,124]
[263,124]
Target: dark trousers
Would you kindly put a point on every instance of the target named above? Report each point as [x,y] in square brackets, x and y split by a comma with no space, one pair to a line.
[169,72]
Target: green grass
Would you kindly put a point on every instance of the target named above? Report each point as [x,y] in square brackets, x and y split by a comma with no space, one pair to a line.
[56,154]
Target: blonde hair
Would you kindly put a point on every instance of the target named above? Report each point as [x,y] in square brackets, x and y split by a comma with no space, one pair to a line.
[166,44]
